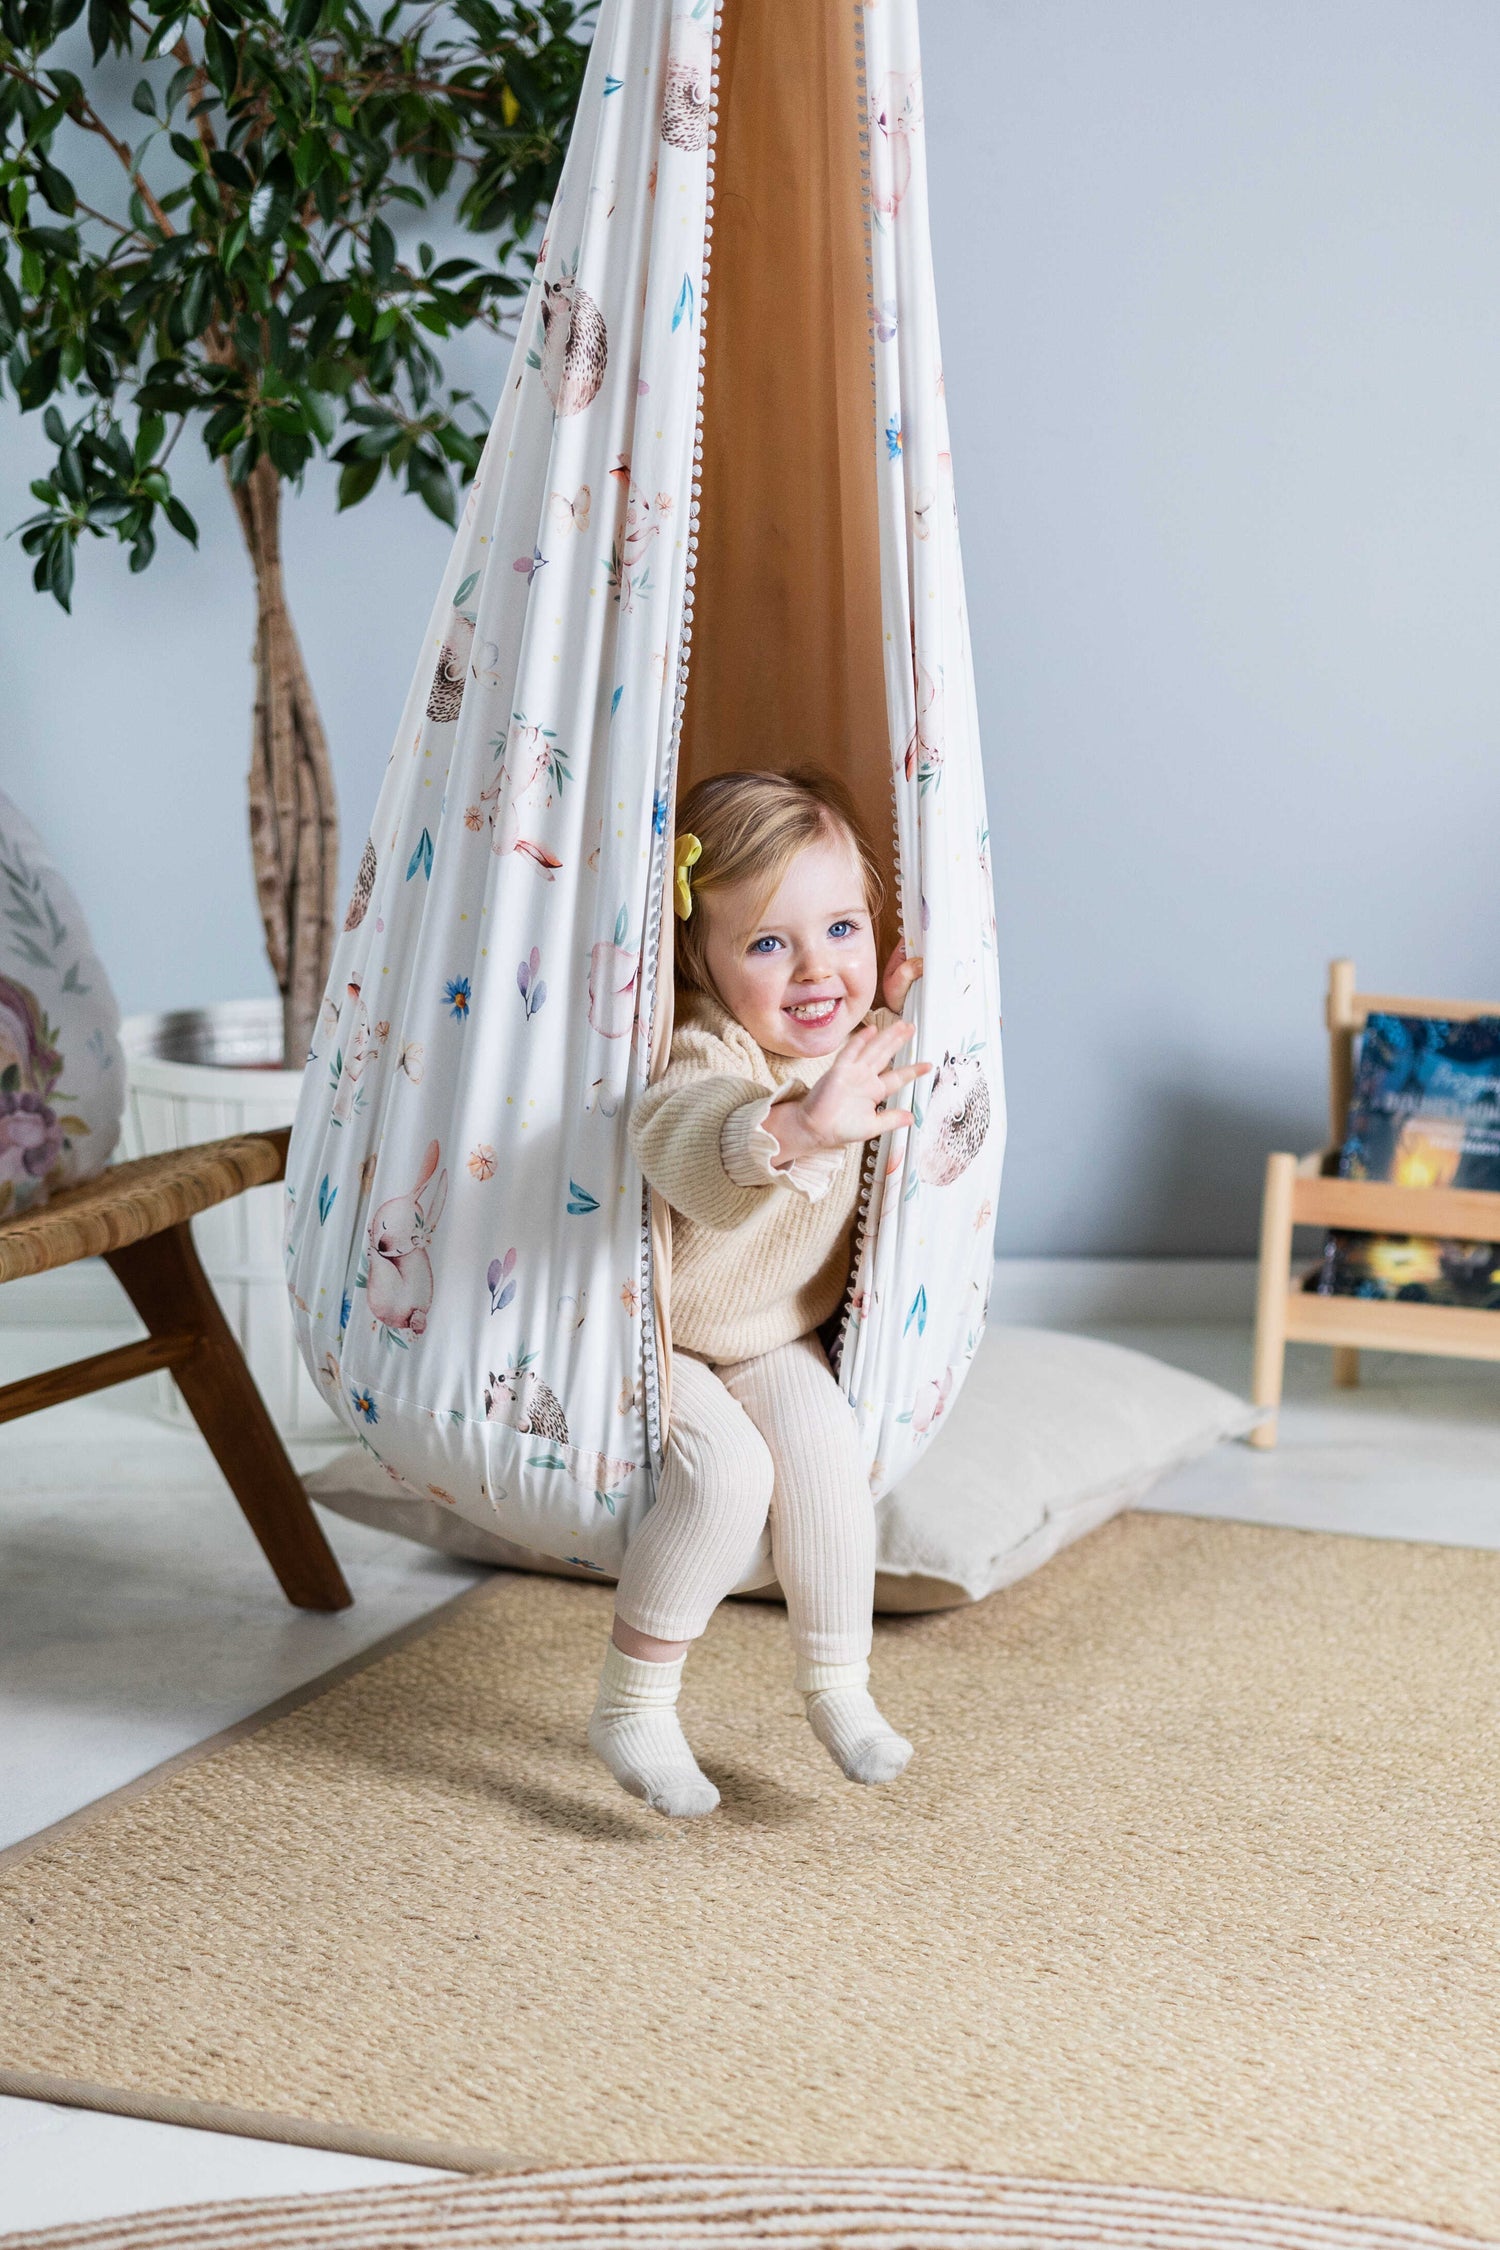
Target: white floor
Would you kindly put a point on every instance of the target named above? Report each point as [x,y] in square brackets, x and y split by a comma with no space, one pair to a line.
[137,1616]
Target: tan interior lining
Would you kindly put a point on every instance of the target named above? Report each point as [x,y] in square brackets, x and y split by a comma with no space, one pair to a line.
[787,661]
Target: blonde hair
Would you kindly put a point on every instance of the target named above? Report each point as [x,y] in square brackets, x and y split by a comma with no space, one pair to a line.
[751,827]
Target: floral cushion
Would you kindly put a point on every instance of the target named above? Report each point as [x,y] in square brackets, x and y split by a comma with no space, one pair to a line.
[62,1073]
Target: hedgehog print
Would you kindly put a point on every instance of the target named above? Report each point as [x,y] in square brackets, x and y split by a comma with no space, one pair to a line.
[575,346]
[955,1119]
[685,96]
[520,1399]
[447,691]
[364,884]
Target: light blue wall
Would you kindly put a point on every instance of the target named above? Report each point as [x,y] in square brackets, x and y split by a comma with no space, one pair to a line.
[1221,294]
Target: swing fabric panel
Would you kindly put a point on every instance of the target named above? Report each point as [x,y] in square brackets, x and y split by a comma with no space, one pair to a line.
[471,1256]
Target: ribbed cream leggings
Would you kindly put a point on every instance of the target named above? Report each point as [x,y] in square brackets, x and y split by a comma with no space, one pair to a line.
[756,1437]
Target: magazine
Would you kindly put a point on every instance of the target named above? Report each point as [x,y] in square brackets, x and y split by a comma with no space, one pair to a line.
[1424,1112]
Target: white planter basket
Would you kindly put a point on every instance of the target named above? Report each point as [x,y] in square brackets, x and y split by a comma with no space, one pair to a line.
[173,1101]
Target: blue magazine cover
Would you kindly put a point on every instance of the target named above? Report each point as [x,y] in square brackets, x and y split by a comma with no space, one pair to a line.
[1424,1112]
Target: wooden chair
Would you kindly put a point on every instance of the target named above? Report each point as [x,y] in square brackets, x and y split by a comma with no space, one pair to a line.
[1307,1192]
[135,1216]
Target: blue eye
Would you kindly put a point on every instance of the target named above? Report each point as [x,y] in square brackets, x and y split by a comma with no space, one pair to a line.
[761,943]
[835,929]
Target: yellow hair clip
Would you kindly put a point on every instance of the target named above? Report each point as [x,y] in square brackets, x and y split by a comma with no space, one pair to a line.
[686,853]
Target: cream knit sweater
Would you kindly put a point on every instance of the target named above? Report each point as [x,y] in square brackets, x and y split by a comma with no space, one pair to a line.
[759,1256]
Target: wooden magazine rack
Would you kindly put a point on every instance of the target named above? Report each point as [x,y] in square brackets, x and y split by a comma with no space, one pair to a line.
[1307,1192]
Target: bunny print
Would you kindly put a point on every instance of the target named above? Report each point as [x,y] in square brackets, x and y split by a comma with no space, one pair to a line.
[401,1230]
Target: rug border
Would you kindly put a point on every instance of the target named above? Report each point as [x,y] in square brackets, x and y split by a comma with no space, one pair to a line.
[258,2124]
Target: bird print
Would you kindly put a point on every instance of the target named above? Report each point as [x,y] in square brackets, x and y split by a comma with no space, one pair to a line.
[575,345]
[520,791]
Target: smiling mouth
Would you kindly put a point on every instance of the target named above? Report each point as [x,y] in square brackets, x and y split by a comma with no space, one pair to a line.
[813,1012]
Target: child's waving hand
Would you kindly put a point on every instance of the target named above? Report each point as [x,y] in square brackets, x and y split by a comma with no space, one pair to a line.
[844,1105]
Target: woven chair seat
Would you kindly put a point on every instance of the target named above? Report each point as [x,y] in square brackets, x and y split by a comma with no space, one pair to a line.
[128,1202]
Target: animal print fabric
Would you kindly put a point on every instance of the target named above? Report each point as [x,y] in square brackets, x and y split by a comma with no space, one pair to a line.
[468,1265]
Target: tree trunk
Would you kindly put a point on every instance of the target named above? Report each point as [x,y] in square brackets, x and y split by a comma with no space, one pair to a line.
[294,829]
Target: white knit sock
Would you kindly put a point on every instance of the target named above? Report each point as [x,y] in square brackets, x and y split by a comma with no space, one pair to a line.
[842,1714]
[635,1731]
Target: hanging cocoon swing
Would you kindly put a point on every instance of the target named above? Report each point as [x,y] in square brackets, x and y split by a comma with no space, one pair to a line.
[713,528]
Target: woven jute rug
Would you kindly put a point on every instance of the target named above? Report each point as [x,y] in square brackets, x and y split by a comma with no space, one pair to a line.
[1193,1885]
[703,2207]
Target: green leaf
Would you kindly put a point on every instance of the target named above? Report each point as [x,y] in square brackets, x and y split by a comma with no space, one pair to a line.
[288,454]
[144,548]
[328,193]
[219,53]
[148,439]
[55,427]
[435,489]
[40,379]
[224,429]
[357,479]
[228,168]
[197,300]
[382,251]
[57,188]
[318,411]
[58,242]
[178,517]
[60,575]
[163,37]
[144,98]
[309,157]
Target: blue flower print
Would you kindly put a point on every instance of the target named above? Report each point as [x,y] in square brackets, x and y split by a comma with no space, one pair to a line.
[364,1404]
[456,998]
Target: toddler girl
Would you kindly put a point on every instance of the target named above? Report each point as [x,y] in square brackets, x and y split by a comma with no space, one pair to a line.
[754,1136]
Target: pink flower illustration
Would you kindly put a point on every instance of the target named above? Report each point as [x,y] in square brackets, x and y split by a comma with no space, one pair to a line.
[31,1137]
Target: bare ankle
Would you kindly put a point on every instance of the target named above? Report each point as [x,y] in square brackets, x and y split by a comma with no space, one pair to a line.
[645,1645]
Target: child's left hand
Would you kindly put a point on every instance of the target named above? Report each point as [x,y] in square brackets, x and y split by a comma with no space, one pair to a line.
[900,976]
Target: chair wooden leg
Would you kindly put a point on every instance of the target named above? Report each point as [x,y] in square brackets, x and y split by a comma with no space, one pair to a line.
[169,1289]
[1346,1366]
[1274,1281]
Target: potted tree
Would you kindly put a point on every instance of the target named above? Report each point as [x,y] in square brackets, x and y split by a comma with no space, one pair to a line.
[259,277]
